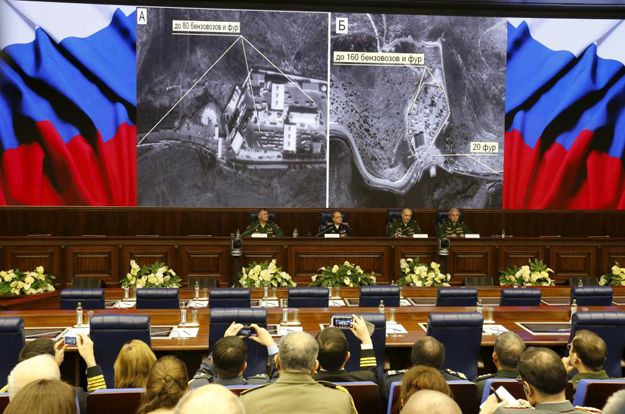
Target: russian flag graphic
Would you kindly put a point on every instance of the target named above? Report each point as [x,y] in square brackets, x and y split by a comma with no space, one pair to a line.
[67,104]
[565,118]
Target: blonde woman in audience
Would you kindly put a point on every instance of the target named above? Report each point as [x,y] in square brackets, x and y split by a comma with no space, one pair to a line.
[166,384]
[133,365]
[44,397]
[420,378]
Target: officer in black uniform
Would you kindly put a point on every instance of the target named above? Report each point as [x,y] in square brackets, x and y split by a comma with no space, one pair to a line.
[337,226]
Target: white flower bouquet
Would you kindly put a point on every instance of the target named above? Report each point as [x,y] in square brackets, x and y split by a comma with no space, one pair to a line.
[265,274]
[16,282]
[155,275]
[345,275]
[536,273]
[615,278]
[421,275]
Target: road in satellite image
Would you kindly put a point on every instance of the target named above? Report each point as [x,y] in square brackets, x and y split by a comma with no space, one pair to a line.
[232,108]
[422,135]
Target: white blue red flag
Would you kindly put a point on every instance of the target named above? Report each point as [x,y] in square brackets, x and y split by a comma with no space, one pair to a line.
[67,104]
[565,114]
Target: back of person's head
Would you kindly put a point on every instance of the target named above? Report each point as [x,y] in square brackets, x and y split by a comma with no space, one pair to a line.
[210,399]
[40,346]
[133,365]
[591,349]
[615,404]
[166,384]
[333,348]
[429,352]
[45,396]
[420,378]
[431,402]
[543,369]
[33,369]
[229,355]
[298,353]
[509,347]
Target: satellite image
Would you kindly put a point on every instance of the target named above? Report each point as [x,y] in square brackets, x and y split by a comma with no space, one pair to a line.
[427,134]
[232,108]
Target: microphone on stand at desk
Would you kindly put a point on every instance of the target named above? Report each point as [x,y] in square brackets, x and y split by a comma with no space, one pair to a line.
[328,228]
[250,230]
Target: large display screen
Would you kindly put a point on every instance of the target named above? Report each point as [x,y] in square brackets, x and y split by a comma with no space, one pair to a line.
[149,106]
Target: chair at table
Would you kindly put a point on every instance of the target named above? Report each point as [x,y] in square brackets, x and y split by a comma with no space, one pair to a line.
[371,296]
[110,333]
[592,295]
[309,297]
[230,298]
[366,395]
[4,401]
[158,298]
[461,333]
[378,338]
[520,297]
[325,219]
[610,326]
[11,343]
[203,282]
[595,393]
[477,281]
[88,299]
[118,401]
[87,283]
[220,320]
[392,214]
[456,296]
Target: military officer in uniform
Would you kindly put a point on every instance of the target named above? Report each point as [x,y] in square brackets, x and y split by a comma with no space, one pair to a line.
[296,391]
[404,227]
[337,226]
[587,353]
[264,225]
[508,349]
[453,227]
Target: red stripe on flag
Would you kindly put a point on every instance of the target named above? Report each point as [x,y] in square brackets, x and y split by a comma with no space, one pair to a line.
[50,172]
[554,178]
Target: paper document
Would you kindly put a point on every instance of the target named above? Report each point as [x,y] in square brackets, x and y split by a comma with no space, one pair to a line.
[493,329]
[180,332]
[505,395]
[124,305]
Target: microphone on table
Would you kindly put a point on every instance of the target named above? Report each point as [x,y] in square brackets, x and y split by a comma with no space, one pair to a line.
[251,230]
[328,228]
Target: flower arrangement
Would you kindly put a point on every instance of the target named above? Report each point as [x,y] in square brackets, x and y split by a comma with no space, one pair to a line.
[420,274]
[346,274]
[16,282]
[155,275]
[615,278]
[536,273]
[265,274]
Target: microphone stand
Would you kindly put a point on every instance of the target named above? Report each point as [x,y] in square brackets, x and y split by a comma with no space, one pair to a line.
[328,228]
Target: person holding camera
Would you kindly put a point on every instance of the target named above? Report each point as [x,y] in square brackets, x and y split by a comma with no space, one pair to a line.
[227,361]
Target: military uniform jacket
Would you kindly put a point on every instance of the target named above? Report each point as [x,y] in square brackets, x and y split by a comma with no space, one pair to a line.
[589,375]
[207,375]
[298,393]
[543,408]
[344,230]
[399,229]
[448,228]
[481,380]
[397,375]
[270,228]
[368,370]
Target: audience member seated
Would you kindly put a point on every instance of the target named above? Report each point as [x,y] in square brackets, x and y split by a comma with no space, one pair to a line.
[431,402]
[334,354]
[211,399]
[296,390]
[226,362]
[167,383]
[133,365]
[587,353]
[508,349]
[45,396]
[615,404]
[544,382]
[428,352]
[33,369]
[421,378]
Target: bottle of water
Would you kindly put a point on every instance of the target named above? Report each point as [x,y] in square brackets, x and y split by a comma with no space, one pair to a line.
[197,289]
[238,235]
[381,307]
[126,292]
[79,314]
[295,234]
[183,315]
[503,233]
[580,283]
[573,308]
[479,306]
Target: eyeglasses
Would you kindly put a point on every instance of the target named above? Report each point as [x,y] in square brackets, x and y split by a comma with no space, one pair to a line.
[519,379]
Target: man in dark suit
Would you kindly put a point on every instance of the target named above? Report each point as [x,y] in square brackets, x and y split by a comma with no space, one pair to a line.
[334,354]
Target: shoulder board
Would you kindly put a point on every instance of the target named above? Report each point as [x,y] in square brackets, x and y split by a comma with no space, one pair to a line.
[198,376]
[396,372]
[587,409]
[395,220]
[483,377]
[275,224]
[255,388]
[258,376]
[457,374]
[327,384]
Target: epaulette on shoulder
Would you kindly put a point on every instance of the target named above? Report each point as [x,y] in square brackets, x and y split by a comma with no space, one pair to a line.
[255,388]
[457,374]
[395,220]
[199,376]
[328,384]
[396,372]
[258,376]
[484,377]
[587,409]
